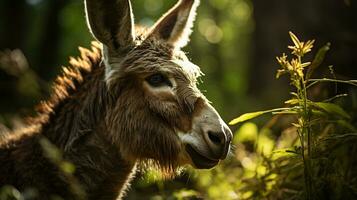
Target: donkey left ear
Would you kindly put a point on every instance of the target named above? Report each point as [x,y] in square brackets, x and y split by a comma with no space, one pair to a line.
[175,26]
[111,22]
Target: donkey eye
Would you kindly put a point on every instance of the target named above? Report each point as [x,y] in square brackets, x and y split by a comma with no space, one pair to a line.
[157,80]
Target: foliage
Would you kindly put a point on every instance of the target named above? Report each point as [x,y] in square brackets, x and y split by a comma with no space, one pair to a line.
[308,159]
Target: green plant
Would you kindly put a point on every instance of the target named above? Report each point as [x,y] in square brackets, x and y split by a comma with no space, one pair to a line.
[311,124]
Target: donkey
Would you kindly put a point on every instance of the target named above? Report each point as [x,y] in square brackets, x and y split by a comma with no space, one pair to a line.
[132,98]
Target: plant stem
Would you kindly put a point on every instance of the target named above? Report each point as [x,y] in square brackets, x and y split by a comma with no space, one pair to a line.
[314,81]
[304,132]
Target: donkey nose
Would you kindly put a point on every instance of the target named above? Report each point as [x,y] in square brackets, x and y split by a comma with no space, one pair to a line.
[218,142]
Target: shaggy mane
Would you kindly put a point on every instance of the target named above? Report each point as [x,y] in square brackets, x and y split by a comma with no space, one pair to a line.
[71,77]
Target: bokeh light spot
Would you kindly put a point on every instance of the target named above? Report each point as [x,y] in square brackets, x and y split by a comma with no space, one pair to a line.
[242,11]
[153,6]
[209,29]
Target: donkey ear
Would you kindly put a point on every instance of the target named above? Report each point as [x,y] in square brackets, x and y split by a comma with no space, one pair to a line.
[175,26]
[111,22]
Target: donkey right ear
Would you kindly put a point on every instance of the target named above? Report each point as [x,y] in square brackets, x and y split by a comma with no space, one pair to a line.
[111,22]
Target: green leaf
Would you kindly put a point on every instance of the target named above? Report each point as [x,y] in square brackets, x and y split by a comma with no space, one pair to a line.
[294,94]
[347,125]
[343,136]
[288,112]
[318,113]
[292,101]
[332,108]
[317,60]
[246,116]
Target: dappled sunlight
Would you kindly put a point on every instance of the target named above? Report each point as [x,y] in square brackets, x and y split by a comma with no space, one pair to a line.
[292,114]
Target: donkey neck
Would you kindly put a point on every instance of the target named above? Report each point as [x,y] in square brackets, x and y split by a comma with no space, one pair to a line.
[80,113]
[76,125]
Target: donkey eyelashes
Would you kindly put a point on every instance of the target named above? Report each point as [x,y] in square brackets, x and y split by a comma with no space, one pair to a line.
[158,80]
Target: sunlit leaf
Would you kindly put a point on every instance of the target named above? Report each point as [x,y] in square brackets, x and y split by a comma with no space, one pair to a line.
[294,94]
[246,116]
[292,101]
[288,112]
[296,125]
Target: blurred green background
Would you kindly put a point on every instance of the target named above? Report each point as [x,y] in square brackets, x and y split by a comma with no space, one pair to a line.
[234,42]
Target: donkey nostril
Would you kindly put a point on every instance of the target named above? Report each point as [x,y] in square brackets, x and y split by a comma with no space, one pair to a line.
[215,137]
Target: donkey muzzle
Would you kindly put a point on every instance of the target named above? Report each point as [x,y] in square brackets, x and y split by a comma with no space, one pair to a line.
[210,138]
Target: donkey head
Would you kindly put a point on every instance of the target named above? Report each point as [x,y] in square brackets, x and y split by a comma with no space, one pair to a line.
[158,112]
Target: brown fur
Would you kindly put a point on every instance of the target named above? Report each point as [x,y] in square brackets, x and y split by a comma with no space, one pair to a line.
[71,121]
[105,125]
[75,118]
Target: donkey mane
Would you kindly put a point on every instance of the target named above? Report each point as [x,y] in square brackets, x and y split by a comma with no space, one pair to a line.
[72,77]
[64,85]
[67,87]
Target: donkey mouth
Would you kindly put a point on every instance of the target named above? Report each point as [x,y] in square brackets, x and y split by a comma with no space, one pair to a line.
[199,160]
